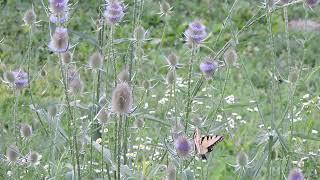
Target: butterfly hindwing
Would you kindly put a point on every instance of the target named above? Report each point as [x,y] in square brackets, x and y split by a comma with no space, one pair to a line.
[205,144]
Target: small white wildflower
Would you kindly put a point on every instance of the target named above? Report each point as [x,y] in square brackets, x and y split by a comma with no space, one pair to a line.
[313,131]
[243,122]
[153,95]
[152,112]
[256,109]
[261,126]
[146,105]
[249,109]
[306,96]
[230,99]
[238,117]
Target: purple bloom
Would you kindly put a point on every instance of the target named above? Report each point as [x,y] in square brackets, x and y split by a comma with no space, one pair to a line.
[295,174]
[58,6]
[60,40]
[196,32]
[114,12]
[311,3]
[208,67]
[62,19]
[21,78]
[182,146]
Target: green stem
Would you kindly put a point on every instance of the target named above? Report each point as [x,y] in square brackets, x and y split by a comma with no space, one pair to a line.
[189,101]
[119,147]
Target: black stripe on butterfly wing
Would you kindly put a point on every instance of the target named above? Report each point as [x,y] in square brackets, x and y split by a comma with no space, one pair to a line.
[210,148]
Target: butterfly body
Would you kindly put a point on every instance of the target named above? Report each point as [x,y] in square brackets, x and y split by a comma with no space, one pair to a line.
[205,144]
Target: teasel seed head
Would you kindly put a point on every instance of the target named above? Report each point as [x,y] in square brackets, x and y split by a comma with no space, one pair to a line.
[172,60]
[66,57]
[12,153]
[30,17]
[242,159]
[293,76]
[25,130]
[76,86]
[230,56]
[171,172]
[139,123]
[123,76]
[102,116]
[96,60]
[52,110]
[59,40]
[139,33]
[33,157]
[121,102]
[165,8]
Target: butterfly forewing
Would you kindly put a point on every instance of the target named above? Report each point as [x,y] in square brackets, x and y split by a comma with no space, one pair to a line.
[205,144]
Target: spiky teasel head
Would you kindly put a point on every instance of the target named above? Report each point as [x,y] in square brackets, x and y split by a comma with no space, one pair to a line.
[76,86]
[59,40]
[230,56]
[196,33]
[295,174]
[171,172]
[293,76]
[114,12]
[29,17]
[242,159]
[52,110]
[34,157]
[96,60]
[165,8]
[123,76]
[208,67]
[172,61]
[139,33]
[311,3]
[25,130]
[21,78]
[182,146]
[12,153]
[58,6]
[66,57]
[102,116]
[121,102]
